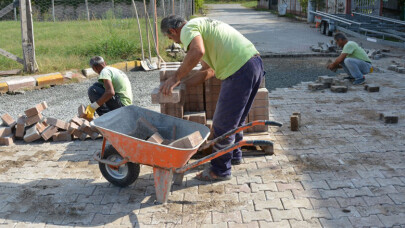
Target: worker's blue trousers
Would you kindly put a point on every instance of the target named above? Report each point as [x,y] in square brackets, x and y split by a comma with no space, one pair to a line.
[235,100]
[96,91]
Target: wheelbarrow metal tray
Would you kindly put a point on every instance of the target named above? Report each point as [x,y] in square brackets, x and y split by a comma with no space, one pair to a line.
[116,126]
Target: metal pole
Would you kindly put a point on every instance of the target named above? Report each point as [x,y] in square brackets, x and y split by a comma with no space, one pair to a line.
[15,13]
[53,10]
[87,10]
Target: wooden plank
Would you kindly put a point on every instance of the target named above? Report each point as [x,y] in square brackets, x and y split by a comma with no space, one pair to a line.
[11,56]
[6,10]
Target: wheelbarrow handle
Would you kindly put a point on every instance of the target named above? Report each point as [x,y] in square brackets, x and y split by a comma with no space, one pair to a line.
[222,152]
[239,129]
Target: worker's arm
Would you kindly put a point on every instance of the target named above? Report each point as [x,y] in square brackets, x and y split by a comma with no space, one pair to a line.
[205,73]
[338,60]
[193,57]
[108,94]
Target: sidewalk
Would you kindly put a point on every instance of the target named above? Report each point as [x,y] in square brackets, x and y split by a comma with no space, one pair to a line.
[343,168]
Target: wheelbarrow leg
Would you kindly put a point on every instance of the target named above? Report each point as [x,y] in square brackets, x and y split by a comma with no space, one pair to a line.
[163,183]
[178,179]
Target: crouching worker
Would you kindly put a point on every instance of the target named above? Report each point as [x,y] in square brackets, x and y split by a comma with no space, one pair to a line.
[112,91]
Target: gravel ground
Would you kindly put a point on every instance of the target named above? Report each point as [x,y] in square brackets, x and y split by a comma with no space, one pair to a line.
[64,100]
[287,72]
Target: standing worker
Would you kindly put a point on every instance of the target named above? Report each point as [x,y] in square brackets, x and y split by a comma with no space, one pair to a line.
[235,61]
[112,91]
[353,59]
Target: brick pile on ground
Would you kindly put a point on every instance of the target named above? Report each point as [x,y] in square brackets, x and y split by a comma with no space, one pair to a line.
[335,84]
[197,103]
[397,67]
[146,131]
[33,126]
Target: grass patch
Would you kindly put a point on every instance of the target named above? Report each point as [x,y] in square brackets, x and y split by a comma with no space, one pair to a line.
[69,45]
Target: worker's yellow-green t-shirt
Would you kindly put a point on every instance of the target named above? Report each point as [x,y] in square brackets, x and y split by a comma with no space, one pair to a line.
[120,82]
[226,49]
[355,51]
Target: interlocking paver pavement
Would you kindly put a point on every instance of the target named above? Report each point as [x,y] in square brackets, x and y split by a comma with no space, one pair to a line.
[342,168]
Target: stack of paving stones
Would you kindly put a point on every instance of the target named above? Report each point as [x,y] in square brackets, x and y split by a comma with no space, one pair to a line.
[33,126]
[197,103]
[397,67]
[335,84]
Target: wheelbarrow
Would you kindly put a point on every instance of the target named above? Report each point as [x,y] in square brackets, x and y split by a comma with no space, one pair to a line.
[120,162]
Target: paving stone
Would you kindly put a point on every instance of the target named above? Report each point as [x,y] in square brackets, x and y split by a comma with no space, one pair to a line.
[332,193]
[296,203]
[313,193]
[339,89]
[340,184]
[278,195]
[280,224]
[279,215]
[342,222]
[282,187]
[308,214]
[253,224]
[315,184]
[354,192]
[398,198]
[263,187]
[374,200]
[343,212]
[392,220]
[307,223]
[346,202]
[323,203]
[234,216]
[268,204]
[389,181]
[372,221]
[249,216]
[365,182]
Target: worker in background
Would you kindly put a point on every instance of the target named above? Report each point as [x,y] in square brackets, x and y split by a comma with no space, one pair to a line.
[353,59]
[232,58]
[112,91]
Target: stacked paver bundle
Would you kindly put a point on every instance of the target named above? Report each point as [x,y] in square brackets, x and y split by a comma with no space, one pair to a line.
[33,126]
[198,103]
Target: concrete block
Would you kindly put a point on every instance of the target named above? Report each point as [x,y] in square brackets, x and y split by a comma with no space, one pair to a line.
[341,82]
[81,111]
[260,103]
[21,83]
[189,141]
[263,83]
[77,120]
[7,140]
[49,132]
[156,138]
[325,79]
[41,127]
[79,134]
[143,129]
[209,125]
[5,131]
[32,134]
[3,87]
[36,110]
[372,88]
[49,79]
[172,109]
[389,117]
[72,127]
[86,128]
[295,123]
[198,117]
[57,123]
[33,119]
[316,86]
[400,70]
[62,136]
[262,94]
[8,120]
[166,73]
[20,128]
[159,98]
[339,89]
[393,67]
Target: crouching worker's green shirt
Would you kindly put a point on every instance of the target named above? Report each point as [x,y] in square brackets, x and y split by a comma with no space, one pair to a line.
[120,82]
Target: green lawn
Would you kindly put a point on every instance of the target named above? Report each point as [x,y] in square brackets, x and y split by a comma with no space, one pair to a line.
[68,45]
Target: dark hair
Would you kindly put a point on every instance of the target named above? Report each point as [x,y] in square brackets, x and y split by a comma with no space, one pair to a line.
[340,36]
[171,22]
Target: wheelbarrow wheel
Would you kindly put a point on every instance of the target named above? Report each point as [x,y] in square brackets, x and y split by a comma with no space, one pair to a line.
[121,176]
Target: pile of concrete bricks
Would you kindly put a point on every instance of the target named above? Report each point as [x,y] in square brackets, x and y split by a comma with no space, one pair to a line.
[146,131]
[33,126]
[198,103]
[335,84]
[397,67]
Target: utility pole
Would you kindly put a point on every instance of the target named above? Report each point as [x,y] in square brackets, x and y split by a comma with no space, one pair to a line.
[27,37]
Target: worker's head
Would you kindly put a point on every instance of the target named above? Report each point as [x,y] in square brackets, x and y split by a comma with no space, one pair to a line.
[340,39]
[171,27]
[97,63]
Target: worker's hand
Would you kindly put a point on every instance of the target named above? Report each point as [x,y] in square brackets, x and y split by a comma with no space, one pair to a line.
[330,66]
[169,85]
[91,109]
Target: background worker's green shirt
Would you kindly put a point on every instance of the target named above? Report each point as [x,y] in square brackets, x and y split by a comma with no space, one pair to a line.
[120,82]
[355,51]
[226,49]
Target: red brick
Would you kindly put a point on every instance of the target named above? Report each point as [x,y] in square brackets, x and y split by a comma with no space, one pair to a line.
[144,129]
[194,107]
[159,98]
[176,110]
[260,128]
[33,119]
[85,127]
[37,109]
[5,131]
[57,123]
[7,141]
[263,83]
[187,142]
[166,73]
[209,125]
[73,127]
[49,132]
[261,103]
[62,136]
[77,120]
[260,111]
[8,120]
[156,138]
[20,129]
[81,110]
[79,134]
[198,117]
[32,134]
[294,123]
[41,127]
[262,94]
